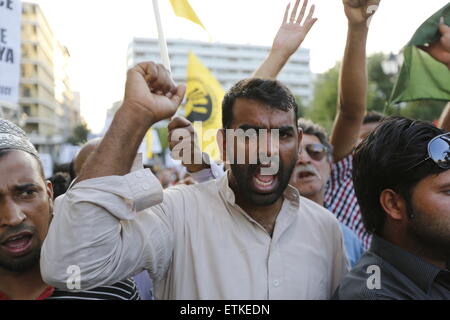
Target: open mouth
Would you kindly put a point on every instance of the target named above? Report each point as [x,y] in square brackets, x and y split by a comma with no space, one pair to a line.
[18,244]
[306,175]
[264,183]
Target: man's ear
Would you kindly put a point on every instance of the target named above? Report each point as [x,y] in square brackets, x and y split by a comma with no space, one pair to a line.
[49,189]
[393,205]
[222,143]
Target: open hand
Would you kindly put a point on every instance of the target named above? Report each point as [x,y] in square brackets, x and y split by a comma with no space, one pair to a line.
[184,145]
[292,31]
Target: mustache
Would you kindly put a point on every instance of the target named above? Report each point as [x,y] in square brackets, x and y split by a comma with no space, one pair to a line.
[309,168]
[271,166]
[10,231]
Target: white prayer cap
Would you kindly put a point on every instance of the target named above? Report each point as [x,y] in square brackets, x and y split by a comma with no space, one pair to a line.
[13,137]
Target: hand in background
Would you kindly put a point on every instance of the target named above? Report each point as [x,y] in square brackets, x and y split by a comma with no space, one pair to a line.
[292,31]
[359,12]
[184,145]
[440,50]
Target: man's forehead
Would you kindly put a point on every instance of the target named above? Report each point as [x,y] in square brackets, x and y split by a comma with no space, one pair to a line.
[310,138]
[255,113]
[19,166]
[438,180]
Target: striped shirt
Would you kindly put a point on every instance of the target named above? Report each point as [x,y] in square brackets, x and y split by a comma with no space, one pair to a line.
[340,198]
[122,290]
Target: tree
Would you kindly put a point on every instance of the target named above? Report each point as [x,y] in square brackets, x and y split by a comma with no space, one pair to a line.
[323,106]
[80,135]
[301,107]
[427,110]
[380,86]
[380,83]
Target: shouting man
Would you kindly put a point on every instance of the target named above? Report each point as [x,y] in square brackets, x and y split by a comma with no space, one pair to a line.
[248,235]
[25,215]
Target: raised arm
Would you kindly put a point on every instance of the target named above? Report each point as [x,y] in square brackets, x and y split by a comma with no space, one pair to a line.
[290,36]
[98,226]
[150,96]
[353,78]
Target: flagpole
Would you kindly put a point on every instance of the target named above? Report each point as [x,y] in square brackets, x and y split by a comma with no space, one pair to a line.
[162,40]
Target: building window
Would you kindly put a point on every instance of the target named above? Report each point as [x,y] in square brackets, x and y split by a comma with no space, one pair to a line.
[26,110]
[26,92]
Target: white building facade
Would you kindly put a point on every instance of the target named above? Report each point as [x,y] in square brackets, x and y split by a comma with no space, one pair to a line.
[228,62]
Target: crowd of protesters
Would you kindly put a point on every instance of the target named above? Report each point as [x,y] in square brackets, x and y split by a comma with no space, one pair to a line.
[360,213]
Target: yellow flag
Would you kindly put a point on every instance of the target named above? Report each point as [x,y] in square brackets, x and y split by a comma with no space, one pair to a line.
[149,143]
[183,9]
[204,105]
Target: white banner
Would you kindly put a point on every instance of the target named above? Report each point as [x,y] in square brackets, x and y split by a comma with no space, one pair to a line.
[10,13]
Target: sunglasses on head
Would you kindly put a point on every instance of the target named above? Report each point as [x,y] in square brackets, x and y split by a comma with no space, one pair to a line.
[438,151]
[316,151]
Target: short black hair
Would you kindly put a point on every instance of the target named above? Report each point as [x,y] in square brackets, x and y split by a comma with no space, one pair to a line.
[383,161]
[270,92]
[313,129]
[373,117]
[4,152]
[60,182]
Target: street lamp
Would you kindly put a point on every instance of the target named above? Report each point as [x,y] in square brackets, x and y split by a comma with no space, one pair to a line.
[391,65]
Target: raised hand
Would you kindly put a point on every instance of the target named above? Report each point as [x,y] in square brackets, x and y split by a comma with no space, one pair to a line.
[294,29]
[184,145]
[440,50]
[151,93]
[359,12]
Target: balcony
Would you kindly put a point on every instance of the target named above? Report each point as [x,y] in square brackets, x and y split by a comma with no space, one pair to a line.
[49,104]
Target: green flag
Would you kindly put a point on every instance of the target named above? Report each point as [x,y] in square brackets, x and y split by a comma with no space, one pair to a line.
[421,76]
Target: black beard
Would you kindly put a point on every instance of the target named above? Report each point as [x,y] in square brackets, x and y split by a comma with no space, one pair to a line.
[243,175]
[21,264]
[433,239]
[24,263]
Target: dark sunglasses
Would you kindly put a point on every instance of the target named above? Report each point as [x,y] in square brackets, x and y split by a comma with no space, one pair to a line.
[438,151]
[316,151]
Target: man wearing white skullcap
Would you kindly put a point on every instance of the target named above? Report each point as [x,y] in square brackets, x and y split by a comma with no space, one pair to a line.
[25,214]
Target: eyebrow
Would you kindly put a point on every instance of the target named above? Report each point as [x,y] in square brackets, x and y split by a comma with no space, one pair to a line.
[444,186]
[23,187]
[26,186]
[287,129]
[281,129]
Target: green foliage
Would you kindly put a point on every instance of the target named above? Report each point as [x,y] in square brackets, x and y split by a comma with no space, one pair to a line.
[80,135]
[323,108]
[380,86]
[301,107]
[427,110]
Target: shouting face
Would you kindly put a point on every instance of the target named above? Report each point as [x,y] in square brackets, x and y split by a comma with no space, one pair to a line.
[25,211]
[313,167]
[272,142]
